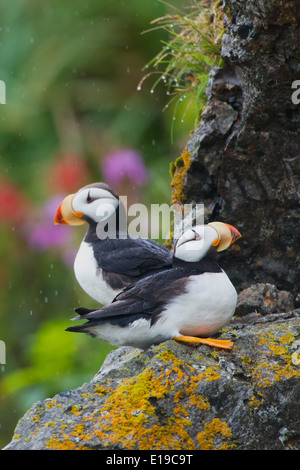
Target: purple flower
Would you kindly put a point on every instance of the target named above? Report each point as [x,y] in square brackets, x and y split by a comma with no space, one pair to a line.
[43,234]
[125,164]
[42,237]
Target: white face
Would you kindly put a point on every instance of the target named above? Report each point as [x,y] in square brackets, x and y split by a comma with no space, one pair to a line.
[96,203]
[195,242]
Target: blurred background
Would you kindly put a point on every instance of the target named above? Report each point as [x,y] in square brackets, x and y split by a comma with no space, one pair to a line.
[73,115]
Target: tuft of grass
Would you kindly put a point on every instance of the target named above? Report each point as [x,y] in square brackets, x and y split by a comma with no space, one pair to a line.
[193,49]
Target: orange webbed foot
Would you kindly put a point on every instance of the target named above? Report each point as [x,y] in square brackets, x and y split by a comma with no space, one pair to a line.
[215,343]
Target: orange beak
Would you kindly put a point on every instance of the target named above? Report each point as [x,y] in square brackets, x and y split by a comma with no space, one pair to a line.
[235,234]
[65,215]
[227,234]
[58,219]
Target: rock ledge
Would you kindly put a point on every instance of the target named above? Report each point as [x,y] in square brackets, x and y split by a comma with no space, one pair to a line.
[176,397]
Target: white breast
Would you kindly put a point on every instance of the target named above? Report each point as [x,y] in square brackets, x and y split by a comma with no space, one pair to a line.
[206,307]
[89,275]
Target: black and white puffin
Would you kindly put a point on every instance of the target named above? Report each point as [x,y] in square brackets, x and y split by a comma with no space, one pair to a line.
[104,265]
[189,302]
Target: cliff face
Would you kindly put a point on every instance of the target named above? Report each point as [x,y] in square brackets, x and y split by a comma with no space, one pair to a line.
[178,397]
[242,161]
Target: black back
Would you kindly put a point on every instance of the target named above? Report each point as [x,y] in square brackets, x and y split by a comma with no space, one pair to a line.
[148,297]
[125,260]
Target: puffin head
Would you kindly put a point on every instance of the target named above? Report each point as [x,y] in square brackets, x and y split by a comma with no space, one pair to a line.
[194,244]
[93,203]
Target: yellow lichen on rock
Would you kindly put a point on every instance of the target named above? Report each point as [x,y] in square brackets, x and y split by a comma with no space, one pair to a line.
[178,171]
[132,415]
[276,344]
[214,430]
[56,443]
[175,397]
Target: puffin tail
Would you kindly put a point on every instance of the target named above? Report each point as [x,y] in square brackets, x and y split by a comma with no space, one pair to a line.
[78,328]
[82,311]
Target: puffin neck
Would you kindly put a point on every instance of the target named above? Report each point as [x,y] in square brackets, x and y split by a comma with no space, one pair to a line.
[207,264]
[91,235]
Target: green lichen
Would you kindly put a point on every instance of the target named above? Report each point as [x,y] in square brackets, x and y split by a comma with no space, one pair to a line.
[179,162]
[172,168]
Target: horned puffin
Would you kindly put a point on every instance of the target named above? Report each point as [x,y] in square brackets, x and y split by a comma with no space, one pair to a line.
[104,265]
[188,303]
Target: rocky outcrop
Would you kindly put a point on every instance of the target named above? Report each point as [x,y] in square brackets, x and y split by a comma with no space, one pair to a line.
[178,397]
[242,161]
[264,298]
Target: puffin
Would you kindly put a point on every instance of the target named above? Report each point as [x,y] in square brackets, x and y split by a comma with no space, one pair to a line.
[189,303]
[108,261]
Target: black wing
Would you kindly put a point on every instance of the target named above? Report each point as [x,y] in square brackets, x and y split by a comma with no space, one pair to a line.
[145,299]
[132,256]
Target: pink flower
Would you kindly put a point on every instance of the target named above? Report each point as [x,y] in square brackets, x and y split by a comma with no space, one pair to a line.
[125,164]
[43,234]
[14,204]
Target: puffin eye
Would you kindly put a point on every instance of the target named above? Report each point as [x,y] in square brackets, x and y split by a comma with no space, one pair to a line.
[89,199]
[196,236]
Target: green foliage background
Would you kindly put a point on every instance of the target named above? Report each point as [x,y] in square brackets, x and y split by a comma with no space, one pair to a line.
[71,71]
